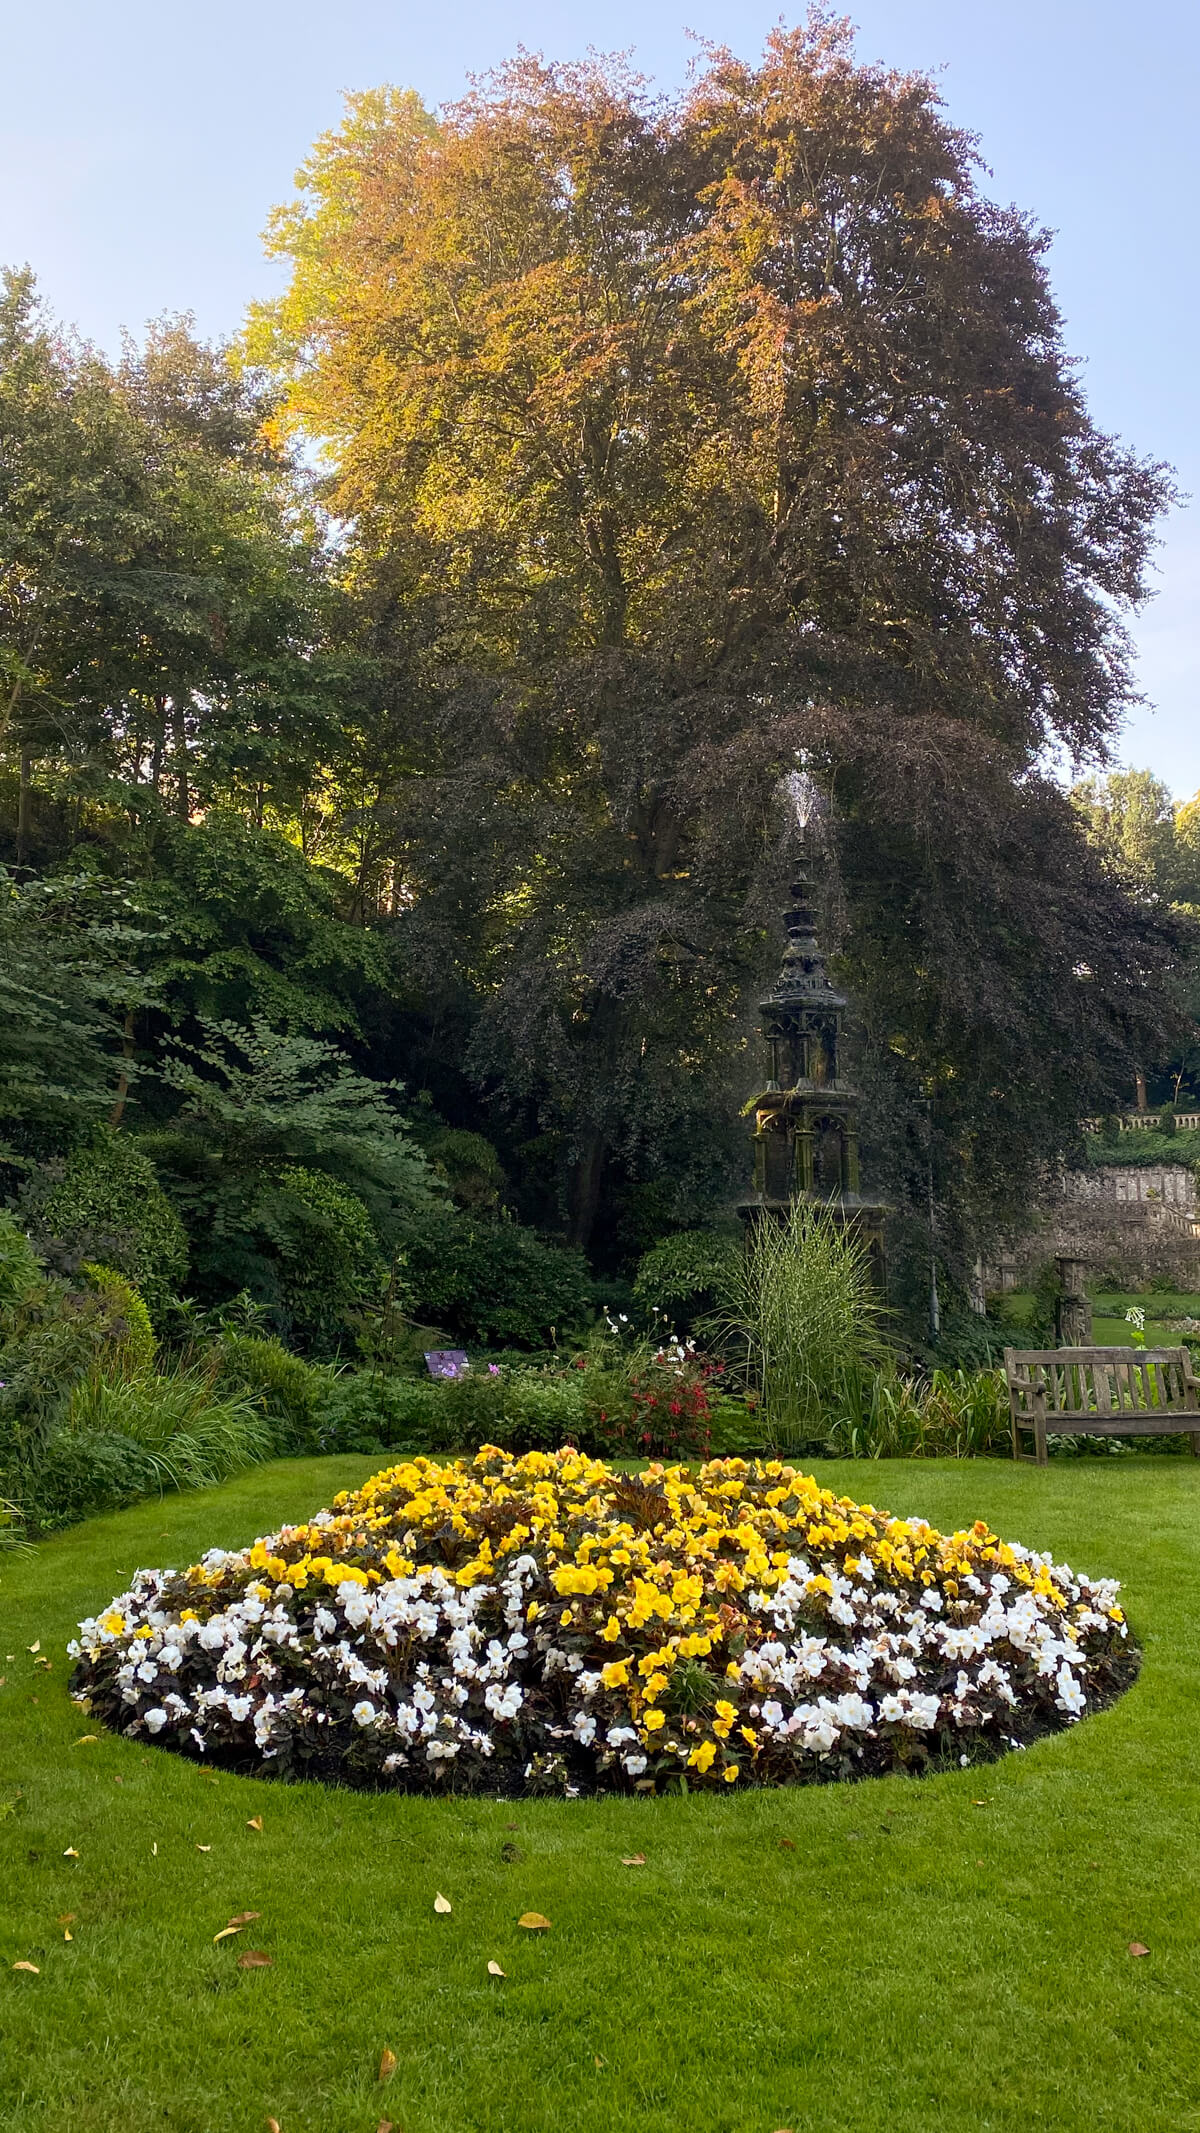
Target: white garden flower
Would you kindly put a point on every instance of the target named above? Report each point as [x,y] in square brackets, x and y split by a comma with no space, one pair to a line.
[364,1713]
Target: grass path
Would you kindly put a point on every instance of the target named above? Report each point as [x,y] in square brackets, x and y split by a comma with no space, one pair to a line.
[876,1958]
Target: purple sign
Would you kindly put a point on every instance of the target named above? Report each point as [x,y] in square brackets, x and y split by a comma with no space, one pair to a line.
[446,1362]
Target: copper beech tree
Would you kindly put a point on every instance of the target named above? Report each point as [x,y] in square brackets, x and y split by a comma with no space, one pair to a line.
[673,437]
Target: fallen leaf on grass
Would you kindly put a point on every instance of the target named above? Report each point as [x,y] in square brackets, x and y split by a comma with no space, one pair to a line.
[494,1970]
[255,1959]
[28,1966]
[384,2126]
[86,1739]
[511,1854]
[634,1859]
[36,1645]
[244,1918]
[387,2063]
[70,1852]
[786,1844]
[67,1933]
[255,1822]
[981,1803]
[441,1905]
[66,1918]
[273,2125]
[154,1849]
[204,1847]
[533,1922]
[226,1933]
[1136,1948]
[598,2061]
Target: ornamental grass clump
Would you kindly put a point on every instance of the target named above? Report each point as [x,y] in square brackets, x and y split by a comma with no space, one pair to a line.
[514,1625]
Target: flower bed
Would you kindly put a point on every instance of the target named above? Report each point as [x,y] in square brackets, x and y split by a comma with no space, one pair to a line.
[547,1624]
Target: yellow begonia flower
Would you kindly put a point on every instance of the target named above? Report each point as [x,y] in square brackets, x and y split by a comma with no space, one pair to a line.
[616,1674]
[653,1720]
[701,1757]
[730,1773]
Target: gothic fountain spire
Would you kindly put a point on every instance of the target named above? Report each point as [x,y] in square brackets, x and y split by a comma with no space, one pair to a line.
[806,1117]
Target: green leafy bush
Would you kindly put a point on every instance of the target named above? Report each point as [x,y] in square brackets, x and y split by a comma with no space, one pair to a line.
[685,1276]
[85,1472]
[21,1270]
[330,1261]
[108,1205]
[285,1387]
[370,1412]
[129,1343]
[488,1281]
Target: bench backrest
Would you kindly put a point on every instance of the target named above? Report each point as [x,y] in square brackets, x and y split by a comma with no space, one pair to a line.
[1098,1381]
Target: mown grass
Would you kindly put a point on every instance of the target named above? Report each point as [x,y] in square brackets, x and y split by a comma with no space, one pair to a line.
[900,1954]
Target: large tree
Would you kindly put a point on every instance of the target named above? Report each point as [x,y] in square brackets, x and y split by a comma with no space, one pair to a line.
[672,438]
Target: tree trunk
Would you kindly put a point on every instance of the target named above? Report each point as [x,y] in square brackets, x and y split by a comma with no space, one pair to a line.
[180,756]
[25,807]
[1140,1080]
[586,1181]
[118,1110]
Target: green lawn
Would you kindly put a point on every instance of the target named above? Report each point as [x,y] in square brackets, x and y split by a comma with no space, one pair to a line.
[899,1955]
[1110,1328]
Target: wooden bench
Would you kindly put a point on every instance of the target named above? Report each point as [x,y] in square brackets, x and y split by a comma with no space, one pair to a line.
[1101,1392]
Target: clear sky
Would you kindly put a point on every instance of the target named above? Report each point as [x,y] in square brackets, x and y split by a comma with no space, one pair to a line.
[144,141]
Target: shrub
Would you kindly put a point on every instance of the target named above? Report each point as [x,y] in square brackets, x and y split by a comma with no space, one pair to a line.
[494,1281]
[129,1345]
[371,1411]
[330,1261]
[84,1472]
[285,1387]
[20,1268]
[686,1275]
[108,1205]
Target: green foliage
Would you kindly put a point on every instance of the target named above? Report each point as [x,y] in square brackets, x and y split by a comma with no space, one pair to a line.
[289,1390]
[488,1280]
[130,1346]
[953,1414]
[20,1268]
[108,1205]
[194,1435]
[66,955]
[83,1472]
[331,1265]
[684,1276]
[799,1309]
[470,1166]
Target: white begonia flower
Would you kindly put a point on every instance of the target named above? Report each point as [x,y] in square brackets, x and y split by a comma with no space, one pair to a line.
[155,1721]
[364,1713]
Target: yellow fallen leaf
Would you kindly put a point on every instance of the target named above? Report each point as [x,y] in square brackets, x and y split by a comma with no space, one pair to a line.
[441,1904]
[494,1970]
[533,1922]
[634,1859]
[67,1933]
[387,2063]
[598,2061]
[204,1847]
[255,1959]
[154,1849]
[86,1740]
[1136,1948]
[31,1967]
[70,1852]
[226,1933]
[36,1645]
[273,2125]
[255,1822]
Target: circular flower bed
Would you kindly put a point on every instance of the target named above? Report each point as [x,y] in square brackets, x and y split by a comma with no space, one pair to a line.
[547,1624]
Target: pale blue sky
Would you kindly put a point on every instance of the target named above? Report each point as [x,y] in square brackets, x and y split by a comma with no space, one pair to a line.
[144,141]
